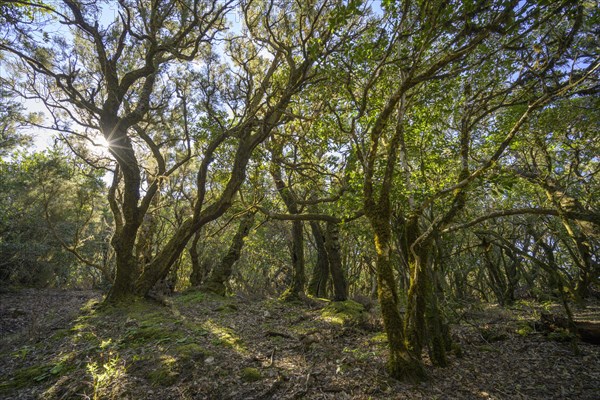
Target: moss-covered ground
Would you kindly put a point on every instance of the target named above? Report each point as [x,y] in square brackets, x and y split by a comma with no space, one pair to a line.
[203,346]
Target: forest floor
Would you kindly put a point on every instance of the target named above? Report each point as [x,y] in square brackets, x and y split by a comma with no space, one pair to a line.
[60,345]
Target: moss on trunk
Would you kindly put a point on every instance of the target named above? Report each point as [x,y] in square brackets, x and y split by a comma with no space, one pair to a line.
[215,282]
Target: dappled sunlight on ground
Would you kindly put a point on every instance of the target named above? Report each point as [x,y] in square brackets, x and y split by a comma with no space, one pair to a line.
[201,346]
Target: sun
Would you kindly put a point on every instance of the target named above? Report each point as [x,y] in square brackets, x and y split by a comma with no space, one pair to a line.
[99,146]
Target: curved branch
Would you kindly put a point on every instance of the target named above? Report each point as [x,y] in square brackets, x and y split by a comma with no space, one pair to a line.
[589,217]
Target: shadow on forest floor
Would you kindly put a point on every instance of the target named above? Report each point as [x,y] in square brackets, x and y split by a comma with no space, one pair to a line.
[207,347]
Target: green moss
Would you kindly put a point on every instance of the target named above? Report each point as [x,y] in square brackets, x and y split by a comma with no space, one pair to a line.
[149,327]
[191,351]
[91,305]
[289,296]
[145,316]
[249,374]
[60,334]
[343,312]
[191,296]
[561,335]
[224,336]
[27,377]
[165,374]
[63,364]
[379,338]
[227,308]
[524,328]
[456,349]
[82,323]
[359,353]
[144,334]
[162,377]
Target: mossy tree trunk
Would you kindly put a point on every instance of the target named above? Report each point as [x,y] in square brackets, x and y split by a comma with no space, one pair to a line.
[424,325]
[497,280]
[221,273]
[511,264]
[332,242]
[198,272]
[417,257]
[320,276]
[128,217]
[403,364]
[296,288]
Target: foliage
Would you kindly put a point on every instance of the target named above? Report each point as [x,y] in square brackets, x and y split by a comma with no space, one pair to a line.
[52,202]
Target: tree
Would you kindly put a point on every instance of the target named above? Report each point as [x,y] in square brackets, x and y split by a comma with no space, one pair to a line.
[108,79]
[422,47]
[221,273]
[561,163]
[52,222]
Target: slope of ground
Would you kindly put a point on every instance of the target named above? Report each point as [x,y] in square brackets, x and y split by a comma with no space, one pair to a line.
[205,347]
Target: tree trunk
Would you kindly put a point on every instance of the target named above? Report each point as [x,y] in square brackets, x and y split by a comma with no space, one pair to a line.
[198,272]
[414,324]
[222,272]
[296,288]
[127,265]
[127,272]
[497,280]
[318,282]
[512,276]
[588,331]
[127,214]
[402,364]
[424,325]
[332,242]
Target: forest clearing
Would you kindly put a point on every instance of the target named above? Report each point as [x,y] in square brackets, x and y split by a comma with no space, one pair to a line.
[299,199]
[209,347]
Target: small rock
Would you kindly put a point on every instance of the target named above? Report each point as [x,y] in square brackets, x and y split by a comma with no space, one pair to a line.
[209,360]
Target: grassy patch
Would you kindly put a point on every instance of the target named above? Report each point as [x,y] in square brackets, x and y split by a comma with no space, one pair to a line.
[359,354]
[106,376]
[148,333]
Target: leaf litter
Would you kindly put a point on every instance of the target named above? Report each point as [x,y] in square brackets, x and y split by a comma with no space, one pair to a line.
[200,346]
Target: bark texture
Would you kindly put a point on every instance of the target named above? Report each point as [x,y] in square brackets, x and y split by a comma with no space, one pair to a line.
[221,273]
